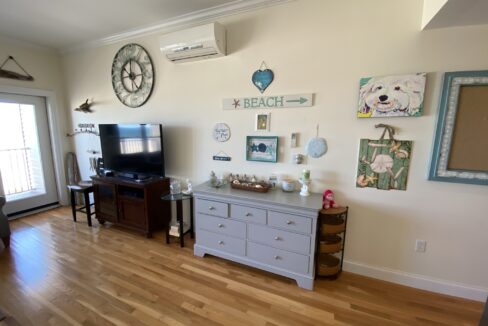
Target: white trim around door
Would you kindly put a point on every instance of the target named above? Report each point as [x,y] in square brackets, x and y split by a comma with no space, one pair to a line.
[55,132]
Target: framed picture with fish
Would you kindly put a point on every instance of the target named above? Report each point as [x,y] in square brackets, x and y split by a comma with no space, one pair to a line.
[262,148]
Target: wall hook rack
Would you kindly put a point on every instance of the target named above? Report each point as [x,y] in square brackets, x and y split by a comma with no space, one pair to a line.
[84,128]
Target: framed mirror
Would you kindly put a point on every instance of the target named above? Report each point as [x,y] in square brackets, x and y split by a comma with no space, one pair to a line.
[460,151]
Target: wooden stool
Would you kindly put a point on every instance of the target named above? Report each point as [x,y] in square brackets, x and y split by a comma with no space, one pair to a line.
[84,189]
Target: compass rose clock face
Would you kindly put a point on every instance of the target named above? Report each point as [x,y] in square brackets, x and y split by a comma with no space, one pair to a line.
[132,75]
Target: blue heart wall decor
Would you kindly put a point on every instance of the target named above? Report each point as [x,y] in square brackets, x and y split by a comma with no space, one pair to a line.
[262,79]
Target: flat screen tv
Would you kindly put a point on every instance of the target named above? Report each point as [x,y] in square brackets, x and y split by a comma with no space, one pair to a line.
[134,150]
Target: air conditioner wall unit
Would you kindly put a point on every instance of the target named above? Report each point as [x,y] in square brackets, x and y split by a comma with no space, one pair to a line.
[197,43]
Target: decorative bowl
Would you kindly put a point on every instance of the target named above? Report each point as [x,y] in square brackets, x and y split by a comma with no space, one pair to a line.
[288,185]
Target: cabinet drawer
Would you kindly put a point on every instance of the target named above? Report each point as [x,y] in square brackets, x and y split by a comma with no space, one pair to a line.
[279,239]
[211,207]
[278,258]
[249,214]
[221,225]
[290,222]
[221,242]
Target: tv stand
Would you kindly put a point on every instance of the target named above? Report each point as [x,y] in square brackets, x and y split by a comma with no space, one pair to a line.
[132,204]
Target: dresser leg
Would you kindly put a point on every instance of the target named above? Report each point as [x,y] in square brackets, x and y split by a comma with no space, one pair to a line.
[305,283]
[197,251]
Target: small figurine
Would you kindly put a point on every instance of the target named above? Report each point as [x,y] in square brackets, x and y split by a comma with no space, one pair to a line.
[189,187]
[231,177]
[253,179]
[213,178]
[328,200]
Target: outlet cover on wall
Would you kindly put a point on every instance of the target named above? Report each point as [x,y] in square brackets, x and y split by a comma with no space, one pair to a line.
[420,245]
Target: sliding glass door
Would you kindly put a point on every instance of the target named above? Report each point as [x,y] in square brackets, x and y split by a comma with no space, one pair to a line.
[26,163]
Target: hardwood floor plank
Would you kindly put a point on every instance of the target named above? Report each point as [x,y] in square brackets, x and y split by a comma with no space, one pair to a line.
[57,272]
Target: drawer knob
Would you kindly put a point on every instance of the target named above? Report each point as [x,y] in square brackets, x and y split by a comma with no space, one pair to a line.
[289,222]
[211,208]
[221,225]
[277,238]
[221,242]
[277,257]
[248,214]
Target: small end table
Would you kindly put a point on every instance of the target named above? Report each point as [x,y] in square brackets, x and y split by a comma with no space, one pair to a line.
[178,198]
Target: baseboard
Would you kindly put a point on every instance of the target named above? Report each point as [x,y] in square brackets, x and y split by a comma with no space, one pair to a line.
[34,211]
[418,281]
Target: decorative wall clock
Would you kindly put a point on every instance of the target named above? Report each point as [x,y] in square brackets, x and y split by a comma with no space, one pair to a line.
[221,132]
[132,75]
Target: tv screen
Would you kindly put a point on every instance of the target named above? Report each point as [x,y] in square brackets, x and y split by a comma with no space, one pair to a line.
[134,148]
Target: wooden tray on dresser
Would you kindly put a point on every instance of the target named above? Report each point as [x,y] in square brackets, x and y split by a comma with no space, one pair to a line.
[251,186]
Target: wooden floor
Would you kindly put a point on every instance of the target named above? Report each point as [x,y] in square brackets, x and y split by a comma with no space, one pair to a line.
[62,273]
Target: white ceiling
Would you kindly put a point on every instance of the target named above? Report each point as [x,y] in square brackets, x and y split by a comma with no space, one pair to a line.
[65,24]
[460,13]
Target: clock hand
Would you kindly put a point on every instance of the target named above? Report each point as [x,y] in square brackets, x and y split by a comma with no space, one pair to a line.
[133,85]
[125,69]
[130,65]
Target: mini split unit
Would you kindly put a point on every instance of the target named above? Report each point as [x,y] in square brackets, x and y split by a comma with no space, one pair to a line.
[198,43]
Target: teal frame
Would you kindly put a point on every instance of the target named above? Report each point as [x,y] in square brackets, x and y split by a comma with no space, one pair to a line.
[446,122]
[249,156]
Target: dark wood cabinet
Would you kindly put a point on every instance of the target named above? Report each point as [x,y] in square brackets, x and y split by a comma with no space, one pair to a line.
[133,205]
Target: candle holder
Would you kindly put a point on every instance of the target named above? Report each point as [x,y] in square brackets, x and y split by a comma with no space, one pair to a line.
[304,190]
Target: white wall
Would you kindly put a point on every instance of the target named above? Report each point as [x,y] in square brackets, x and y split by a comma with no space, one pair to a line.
[323,47]
[45,66]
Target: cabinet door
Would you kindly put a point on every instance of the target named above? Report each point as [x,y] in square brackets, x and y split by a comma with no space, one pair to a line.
[132,212]
[105,201]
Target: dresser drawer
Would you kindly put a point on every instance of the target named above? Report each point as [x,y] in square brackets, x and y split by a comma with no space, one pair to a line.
[290,222]
[221,242]
[278,258]
[211,207]
[279,239]
[221,225]
[249,214]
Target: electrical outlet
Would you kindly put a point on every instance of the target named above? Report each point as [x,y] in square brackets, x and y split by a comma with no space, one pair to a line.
[420,245]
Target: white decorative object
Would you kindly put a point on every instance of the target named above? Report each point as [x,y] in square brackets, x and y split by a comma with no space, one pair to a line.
[189,187]
[294,140]
[221,132]
[304,190]
[317,146]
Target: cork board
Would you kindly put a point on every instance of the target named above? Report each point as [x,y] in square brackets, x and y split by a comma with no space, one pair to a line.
[469,142]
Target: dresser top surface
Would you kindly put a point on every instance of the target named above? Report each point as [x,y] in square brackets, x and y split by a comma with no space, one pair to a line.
[273,197]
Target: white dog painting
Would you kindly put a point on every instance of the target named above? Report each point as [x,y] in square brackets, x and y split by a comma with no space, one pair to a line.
[392,96]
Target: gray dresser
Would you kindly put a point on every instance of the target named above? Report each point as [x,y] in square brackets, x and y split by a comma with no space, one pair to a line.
[274,231]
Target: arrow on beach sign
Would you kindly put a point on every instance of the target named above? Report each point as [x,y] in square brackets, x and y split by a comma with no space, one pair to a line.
[268,102]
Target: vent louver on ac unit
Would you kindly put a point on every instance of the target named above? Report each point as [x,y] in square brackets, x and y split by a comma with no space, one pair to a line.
[198,43]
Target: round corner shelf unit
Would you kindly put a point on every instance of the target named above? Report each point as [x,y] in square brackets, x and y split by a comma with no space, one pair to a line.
[332,237]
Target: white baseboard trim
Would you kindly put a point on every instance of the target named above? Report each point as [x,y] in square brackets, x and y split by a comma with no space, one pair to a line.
[418,281]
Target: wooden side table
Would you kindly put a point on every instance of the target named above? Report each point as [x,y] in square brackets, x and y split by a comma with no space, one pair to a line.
[178,198]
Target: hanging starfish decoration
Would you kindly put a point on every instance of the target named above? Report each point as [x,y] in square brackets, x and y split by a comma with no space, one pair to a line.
[371,178]
[394,146]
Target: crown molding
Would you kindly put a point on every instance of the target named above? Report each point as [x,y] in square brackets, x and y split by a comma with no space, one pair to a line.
[179,22]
